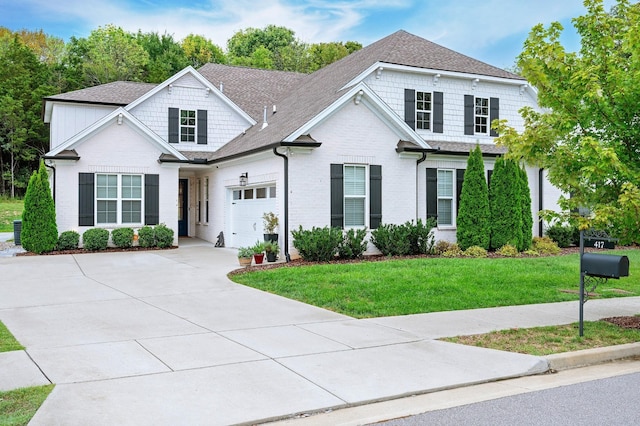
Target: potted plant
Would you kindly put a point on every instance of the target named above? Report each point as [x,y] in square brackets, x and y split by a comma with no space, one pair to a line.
[244,256]
[270,221]
[258,252]
[272,250]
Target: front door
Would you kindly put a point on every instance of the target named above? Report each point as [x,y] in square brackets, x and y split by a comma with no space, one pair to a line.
[183,207]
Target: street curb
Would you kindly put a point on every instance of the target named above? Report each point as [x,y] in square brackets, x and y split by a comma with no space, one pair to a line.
[586,357]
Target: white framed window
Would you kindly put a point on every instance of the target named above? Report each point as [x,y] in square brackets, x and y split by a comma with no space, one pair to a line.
[423,110]
[482,115]
[187,125]
[355,195]
[119,199]
[445,197]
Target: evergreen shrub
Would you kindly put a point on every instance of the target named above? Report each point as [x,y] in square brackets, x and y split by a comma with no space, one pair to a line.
[39,232]
[68,240]
[561,234]
[473,226]
[95,239]
[353,244]
[508,250]
[122,237]
[317,244]
[545,245]
[146,237]
[475,251]
[163,236]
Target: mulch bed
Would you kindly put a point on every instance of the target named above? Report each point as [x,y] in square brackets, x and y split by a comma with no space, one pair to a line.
[632,322]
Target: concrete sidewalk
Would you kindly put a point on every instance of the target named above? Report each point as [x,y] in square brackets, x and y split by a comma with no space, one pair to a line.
[163,337]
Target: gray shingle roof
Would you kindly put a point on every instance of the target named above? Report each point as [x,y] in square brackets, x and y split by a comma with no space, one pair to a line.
[318,90]
[117,93]
[249,88]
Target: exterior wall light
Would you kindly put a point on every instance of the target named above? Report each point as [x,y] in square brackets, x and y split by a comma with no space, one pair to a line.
[244,179]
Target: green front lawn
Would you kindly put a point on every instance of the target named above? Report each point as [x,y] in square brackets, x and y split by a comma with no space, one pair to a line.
[10,210]
[7,341]
[411,286]
[17,407]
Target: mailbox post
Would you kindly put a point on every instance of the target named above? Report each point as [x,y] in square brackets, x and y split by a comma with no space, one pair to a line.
[598,268]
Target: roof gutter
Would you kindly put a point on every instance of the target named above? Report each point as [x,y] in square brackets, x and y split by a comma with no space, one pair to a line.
[443,152]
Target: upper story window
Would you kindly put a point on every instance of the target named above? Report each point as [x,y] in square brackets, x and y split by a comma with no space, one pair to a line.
[481,115]
[187,125]
[423,110]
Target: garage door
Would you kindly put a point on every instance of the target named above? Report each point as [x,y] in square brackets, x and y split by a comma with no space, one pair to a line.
[247,207]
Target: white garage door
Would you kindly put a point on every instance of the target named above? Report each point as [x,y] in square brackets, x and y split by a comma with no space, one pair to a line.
[247,207]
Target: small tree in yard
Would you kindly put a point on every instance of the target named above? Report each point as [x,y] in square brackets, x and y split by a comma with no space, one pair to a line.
[39,232]
[505,205]
[525,205]
[473,215]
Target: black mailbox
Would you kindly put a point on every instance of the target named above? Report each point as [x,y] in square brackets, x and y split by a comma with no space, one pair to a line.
[605,265]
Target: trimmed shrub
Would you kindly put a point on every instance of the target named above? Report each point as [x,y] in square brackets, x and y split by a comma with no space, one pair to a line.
[473,228]
[163,235]
[508,250]
[545,245]
[95,239]
[475,251]
[122,237]
[353,244]
[562,235]
[146,237]
[531,253]
[441,246]
[317,244]
[68,240]
[452,251]
[392,240]
[405,239]
[505,205]
[39,231]
[525,206]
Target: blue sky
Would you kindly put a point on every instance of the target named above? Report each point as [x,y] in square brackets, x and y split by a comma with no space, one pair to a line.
[490,30]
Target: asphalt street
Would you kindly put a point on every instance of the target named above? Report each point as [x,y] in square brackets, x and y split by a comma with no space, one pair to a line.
[612,401]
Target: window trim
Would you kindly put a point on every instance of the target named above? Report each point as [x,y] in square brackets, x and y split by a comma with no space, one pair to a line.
[365,197]
[451,197]
[119,199]
[429,111]
[192,137]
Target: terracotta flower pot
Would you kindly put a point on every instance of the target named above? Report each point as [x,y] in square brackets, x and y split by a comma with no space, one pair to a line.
[258,258]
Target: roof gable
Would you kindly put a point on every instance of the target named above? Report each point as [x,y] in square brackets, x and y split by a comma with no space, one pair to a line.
[119,117]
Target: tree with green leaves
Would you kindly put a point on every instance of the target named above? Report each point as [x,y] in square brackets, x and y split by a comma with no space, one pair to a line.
[504,205]
[525,208]
[166,56]
[39,232]
[473,227]
[200,50]
[587,135]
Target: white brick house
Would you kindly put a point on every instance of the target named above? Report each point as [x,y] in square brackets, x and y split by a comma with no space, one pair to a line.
[381,136]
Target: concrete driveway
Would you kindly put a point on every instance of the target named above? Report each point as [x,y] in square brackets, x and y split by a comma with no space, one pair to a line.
[163,337]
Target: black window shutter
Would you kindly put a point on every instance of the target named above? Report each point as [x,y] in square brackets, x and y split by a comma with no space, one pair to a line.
[469,116]
[337,196]
[438,112]
[85,199]
[410,107]
[151,199]
[459,180]
[432,193]
[489,173]
[174,125]
[375,200]
[202,126]
[494,113]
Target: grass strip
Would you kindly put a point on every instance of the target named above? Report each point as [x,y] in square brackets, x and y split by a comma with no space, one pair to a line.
[10,210]
[17,407]
[549,340]
[7,341]
[409,286]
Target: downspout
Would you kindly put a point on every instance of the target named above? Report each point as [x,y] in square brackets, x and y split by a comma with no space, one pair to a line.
[420,160]
[286,203]
[540,200]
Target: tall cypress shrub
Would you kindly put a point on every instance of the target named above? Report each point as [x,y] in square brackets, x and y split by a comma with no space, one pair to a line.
[525,205]
[39,232]
[505,205]
[473,227]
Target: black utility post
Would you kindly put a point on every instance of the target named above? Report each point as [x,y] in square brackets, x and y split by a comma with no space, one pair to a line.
[582,300]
